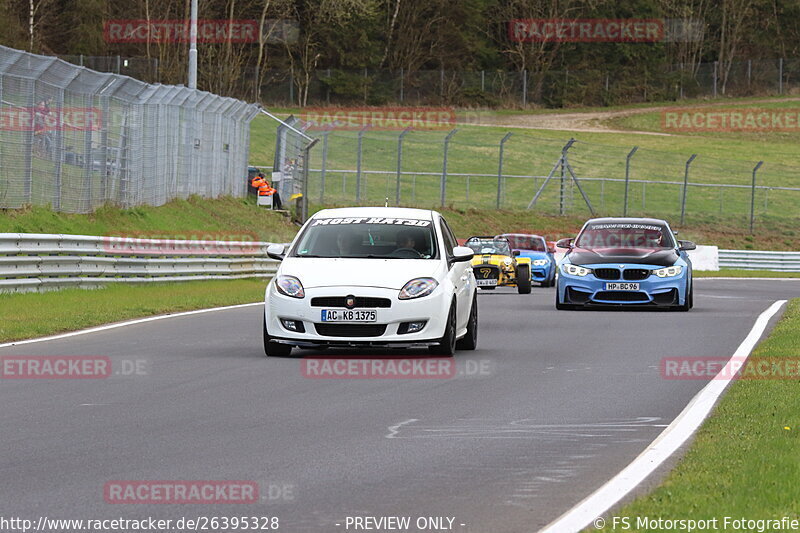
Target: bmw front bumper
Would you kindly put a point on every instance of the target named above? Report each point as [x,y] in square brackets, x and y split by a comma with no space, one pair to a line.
[653,291]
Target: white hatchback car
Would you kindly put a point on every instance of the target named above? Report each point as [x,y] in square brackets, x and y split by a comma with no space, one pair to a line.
[381,277]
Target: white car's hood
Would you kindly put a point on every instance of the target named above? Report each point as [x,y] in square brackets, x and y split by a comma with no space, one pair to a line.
[385,273]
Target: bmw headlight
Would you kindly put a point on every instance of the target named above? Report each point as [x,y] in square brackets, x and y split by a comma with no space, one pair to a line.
[417,288]
[540,262]
[290,286]
[575,270]
[668,272]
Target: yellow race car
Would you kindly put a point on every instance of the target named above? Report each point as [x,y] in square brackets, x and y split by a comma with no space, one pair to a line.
[496,265]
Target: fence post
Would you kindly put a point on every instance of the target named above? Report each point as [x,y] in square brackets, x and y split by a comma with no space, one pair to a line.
[524,88]
[306,161]
[627,179]
[402,83]
[500,168]
[715,78]
[328,89]
[444,164]
[291,86]
[749,72]
[562,209]
[441,83]
[366,84]
[753,197]
[324,166]
[399,165]
[359,156]
[780,76]
[483,81]
[685,187]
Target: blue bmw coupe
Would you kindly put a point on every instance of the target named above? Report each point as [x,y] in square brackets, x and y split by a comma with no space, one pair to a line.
[625,262]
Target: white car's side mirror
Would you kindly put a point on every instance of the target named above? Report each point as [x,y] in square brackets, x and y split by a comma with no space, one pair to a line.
[461,254]
[276,251]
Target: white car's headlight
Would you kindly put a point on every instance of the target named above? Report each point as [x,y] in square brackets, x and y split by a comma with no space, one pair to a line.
[540,262]
[668,272]
[290,286]
[575,270]
[417,288]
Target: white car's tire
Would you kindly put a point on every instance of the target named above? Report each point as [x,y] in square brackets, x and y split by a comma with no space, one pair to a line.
[470,340]
[447,344]
[275,349]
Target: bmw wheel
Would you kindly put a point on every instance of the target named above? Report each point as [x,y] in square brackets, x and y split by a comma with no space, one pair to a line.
[687,298]
[560,306]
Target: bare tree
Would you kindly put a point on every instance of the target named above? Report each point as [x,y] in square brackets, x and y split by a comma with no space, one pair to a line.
[315,18]
[735,14]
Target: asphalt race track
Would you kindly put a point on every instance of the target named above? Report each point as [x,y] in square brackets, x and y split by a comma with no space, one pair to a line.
[551,405]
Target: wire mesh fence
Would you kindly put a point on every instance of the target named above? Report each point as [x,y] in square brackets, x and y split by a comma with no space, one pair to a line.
[547,88]
[523,170]
[75,139]
[551,88]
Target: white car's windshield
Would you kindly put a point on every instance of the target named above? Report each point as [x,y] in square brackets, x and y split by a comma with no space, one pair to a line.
[624,235]
[367,237]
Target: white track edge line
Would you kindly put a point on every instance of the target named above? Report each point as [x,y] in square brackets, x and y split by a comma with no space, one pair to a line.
[672,438]
[115,325]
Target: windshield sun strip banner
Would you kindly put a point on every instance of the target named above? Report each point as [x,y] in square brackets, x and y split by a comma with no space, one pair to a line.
[372,220]
[625,226]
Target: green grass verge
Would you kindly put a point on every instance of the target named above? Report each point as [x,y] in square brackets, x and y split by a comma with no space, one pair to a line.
[216,219]
[736,273]
[29,315]
[743,461]
[241,219]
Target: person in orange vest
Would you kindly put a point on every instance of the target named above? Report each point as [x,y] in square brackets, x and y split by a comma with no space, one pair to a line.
[265,189]
[258,181]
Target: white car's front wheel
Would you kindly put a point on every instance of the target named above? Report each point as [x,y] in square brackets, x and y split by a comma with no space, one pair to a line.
[274,349]
[447,344]
[470,340]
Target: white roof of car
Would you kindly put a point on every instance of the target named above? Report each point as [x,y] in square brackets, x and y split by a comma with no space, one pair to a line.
[386,212]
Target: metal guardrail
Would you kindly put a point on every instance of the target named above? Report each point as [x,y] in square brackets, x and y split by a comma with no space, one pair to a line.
[757,260]
[32,262]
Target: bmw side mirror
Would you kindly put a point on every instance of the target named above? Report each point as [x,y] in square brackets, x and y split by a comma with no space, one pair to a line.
[686,245]
[462,254]
[564,243]
[516,253]
[276,251]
